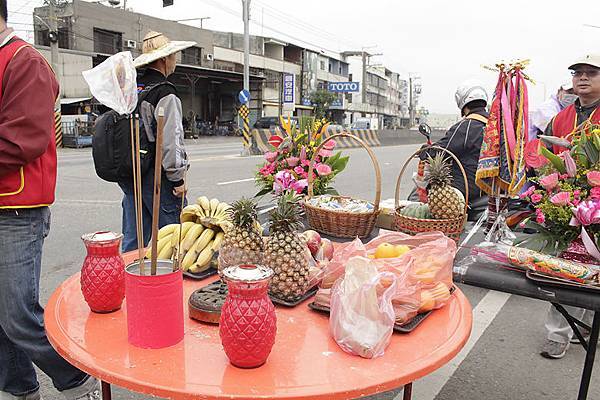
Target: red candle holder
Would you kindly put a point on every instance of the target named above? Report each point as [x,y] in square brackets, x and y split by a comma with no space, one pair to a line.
[248,323]
[103,272]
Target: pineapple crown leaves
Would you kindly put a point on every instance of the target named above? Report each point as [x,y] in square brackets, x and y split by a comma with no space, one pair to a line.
[243,213]
[439,172]
[285,217]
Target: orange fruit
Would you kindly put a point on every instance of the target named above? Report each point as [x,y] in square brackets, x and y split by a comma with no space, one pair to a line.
[385,250]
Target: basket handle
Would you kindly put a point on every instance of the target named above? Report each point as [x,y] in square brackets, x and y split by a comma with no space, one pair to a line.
[418,152]
[373,160]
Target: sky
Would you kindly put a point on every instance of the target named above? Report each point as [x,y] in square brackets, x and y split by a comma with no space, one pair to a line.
[442,42]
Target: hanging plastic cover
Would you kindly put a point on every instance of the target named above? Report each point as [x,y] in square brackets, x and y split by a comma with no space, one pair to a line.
[114,82]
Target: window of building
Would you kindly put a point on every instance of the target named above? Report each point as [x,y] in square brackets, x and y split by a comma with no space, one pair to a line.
[191,56]
[64,34]
[350,77]
[272,79]
[322,65]
[330,67]
[107,42]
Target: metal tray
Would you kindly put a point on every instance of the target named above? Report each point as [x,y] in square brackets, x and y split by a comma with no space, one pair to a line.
[213,270]
[561,282]
[407,327]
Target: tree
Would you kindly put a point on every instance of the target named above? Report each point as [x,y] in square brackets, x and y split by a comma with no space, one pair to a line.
[321,100]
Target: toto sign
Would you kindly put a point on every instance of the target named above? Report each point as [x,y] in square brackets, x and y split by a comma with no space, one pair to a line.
[343,87]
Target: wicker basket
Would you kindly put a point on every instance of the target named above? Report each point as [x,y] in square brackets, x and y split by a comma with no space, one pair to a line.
[343,224]
[450,227]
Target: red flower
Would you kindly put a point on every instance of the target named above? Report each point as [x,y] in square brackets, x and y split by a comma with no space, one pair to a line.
[533,158]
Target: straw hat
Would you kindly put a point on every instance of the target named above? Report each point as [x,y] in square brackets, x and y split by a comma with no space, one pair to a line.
[156,46]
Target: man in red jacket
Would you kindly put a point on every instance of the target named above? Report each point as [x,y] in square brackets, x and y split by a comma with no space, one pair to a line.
[27,181]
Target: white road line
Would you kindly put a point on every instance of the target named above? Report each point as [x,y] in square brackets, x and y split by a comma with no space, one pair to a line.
[483,315]
[232,182]
[87,202]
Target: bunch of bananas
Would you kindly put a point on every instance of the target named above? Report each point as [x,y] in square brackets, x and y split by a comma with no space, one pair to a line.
[200,235]
[212,214]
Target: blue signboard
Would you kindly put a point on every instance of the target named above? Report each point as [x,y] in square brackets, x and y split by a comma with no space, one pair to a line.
[289,92]
[343,87]
[244,96]
[337,103]
[306,102]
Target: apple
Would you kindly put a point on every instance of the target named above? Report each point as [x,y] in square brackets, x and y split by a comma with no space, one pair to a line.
[326,250]
[313,241]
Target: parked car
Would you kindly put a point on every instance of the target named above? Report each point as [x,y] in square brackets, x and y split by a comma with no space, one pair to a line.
[270,122]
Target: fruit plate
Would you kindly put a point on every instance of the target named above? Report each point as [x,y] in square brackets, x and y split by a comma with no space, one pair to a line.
[407,327]
[564,283]
[213,270]
[285,303]
[201,275]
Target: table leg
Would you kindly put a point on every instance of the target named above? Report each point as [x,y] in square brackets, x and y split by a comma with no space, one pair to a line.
[575,324]
[407,392]
[106,394]
[589,358]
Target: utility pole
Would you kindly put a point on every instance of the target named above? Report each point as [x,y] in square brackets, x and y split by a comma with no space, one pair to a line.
[246,16]
[53,36]
[410,103]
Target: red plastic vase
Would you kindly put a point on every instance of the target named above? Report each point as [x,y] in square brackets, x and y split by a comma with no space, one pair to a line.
[248,323]
[103,272]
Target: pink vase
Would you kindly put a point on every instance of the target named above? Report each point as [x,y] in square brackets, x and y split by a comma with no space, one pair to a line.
[248,322]
[103,272]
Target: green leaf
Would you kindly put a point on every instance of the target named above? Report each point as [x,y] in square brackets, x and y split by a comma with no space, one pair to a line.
[340,164]
[556,161]
[331,191]
[263,192]
[591,152]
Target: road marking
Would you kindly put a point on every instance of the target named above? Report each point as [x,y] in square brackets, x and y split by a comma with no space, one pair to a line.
[237,181]
[87,202]
[484,313]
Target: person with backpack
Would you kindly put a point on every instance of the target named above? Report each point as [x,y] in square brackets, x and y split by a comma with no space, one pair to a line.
[28,94]
[159,58]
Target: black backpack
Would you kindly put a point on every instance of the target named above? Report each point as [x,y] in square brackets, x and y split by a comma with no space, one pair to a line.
[111,144]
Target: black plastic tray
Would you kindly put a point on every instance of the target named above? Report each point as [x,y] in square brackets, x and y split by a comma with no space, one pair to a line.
[202,275]
[564,283]
[407,327]
[286,303]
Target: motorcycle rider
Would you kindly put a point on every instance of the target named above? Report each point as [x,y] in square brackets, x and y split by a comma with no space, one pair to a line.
[464,138]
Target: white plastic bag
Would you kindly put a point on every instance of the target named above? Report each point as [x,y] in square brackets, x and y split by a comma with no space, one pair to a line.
[114,82]
[362,316]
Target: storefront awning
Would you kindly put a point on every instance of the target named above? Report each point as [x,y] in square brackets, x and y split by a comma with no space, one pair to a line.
[216,73]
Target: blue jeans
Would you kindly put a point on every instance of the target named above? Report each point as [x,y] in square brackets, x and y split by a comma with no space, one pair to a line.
[23,340]
[170,209]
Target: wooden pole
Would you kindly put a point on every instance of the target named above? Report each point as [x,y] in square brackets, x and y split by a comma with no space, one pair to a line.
[138,187]
[157,184]
[135,189]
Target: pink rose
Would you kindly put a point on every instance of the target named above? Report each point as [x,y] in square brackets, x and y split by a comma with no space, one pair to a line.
[323,169]
[549,182]
[595,193]
[560,199]
[533,158]
[292,161]
[528,192]
[536,198]
[539,216]
[299,170]
[271,156]
[593,178]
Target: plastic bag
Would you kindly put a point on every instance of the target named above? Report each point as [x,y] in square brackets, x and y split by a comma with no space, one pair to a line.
[114,82]
[362,317]
[424,273]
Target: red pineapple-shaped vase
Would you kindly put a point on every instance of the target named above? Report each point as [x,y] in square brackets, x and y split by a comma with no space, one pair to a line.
[248,323]
[103,272]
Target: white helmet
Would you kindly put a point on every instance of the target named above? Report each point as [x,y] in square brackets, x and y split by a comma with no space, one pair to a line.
[468,91]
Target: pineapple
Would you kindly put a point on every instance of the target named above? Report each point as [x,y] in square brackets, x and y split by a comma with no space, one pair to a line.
[243,243]
[285,253]
[445,201]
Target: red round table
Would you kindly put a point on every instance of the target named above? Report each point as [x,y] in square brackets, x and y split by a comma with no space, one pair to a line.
[305,361]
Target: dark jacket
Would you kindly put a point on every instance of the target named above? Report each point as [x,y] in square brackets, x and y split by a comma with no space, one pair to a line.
[464,140]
